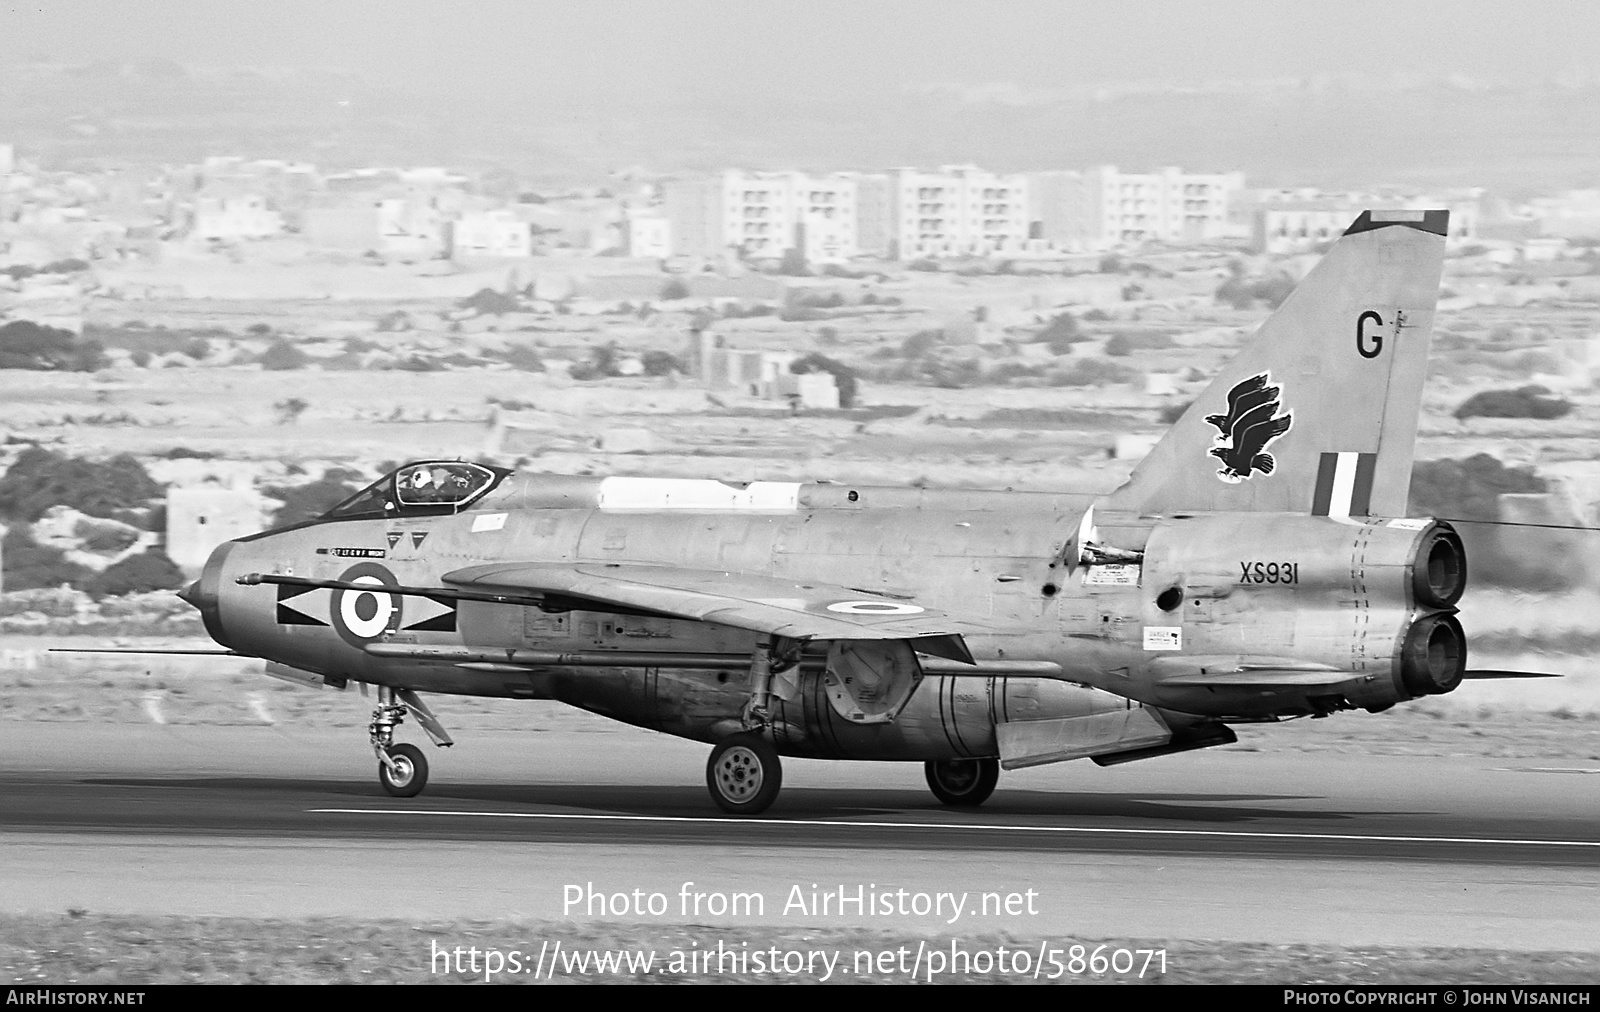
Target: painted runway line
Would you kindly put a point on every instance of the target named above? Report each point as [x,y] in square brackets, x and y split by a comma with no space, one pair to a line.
[978,826]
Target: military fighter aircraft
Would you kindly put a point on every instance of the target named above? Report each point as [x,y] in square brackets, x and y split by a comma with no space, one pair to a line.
[966,630]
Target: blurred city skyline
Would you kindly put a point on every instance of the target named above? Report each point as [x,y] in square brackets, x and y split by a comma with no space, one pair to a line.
[641,52]
[1361,93]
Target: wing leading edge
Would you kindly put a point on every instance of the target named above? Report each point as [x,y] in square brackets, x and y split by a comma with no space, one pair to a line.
[762,604]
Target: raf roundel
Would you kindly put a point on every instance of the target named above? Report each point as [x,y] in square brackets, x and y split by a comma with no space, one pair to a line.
[874,608]
[361,616]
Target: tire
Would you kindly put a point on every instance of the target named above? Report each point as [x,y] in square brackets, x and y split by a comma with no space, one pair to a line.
[744,775]
[411,776]
[963,782]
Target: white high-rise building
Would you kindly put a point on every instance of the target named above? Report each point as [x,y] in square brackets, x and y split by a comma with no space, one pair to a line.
[960,210]
[1299,220]
[763,215]
[1104,208]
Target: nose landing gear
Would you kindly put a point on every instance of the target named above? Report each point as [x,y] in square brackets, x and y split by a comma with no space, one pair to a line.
[405,773]
[402,769]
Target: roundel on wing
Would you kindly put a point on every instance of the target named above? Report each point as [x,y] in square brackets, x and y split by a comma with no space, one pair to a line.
[875,608]
[361,616]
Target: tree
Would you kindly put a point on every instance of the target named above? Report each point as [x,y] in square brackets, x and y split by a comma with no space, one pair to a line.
[487,301]
[1274,290]
[31,566]
[314,498]
[137,574]
[1525,402]
[1093,372]
[921,343]
[602,363]
[289,410]
[1061,334]
[794,263]
[281,355]
[1469,489]
[660,363]
[28,345]
[673,290]
[1242,294]
[524,357]
[39,479]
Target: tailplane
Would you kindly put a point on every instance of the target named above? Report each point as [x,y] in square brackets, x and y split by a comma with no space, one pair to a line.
[1318,412]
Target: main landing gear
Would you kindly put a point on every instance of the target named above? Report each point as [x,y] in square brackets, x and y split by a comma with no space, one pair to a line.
[963,782]
[744,774]
[402,769]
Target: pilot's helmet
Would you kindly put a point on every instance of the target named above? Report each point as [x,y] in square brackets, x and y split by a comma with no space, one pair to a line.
[420,478]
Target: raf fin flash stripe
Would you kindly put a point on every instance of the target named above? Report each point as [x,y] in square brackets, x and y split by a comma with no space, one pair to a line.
[1344,485]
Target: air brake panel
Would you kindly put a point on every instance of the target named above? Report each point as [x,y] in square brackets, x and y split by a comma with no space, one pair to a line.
[870,681]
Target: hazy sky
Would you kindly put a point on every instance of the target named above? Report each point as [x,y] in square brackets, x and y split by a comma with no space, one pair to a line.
[623,51]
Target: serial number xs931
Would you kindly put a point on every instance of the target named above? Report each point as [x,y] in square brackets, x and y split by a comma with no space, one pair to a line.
[1269,572]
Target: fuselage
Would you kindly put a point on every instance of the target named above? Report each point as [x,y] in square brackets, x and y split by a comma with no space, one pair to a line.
[1329,606]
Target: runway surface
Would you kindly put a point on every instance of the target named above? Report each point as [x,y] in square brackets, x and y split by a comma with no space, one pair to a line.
[1224,844]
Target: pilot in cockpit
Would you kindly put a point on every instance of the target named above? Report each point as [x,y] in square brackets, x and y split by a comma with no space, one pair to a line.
[435,483]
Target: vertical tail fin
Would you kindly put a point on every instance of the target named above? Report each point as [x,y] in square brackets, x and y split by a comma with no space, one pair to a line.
[1318,412]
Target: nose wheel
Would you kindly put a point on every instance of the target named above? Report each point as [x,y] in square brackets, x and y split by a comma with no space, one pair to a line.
[963,782]
[402,770]
[744,775]
[406,772]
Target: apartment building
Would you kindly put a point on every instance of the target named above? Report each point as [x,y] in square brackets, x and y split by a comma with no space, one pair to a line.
[762,215]
[493,233]
[1299,220]
[876,234]
[410,227]
[646,234]
[1105,208]
[960,210]
[227,219]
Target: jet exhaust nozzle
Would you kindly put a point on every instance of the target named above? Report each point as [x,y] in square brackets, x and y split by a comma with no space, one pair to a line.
[1439,576]
[1433,659]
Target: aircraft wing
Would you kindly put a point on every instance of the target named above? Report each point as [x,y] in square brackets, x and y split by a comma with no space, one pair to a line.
[798,610]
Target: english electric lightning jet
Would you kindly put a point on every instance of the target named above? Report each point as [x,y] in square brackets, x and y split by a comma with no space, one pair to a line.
[967,630]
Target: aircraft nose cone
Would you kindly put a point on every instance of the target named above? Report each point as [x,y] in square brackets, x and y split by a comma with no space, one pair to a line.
[191,595]
[205,594]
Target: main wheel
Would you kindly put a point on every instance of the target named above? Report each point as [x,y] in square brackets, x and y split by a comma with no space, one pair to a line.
[410,773]
[966,782]
[744,775]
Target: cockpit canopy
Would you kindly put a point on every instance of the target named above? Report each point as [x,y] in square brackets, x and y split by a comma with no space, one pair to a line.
[424,488]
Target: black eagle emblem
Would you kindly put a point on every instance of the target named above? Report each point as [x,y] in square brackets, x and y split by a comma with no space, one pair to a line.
[1247,427]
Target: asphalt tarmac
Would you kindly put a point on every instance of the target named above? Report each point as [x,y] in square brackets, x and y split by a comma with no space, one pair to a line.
[612,824]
